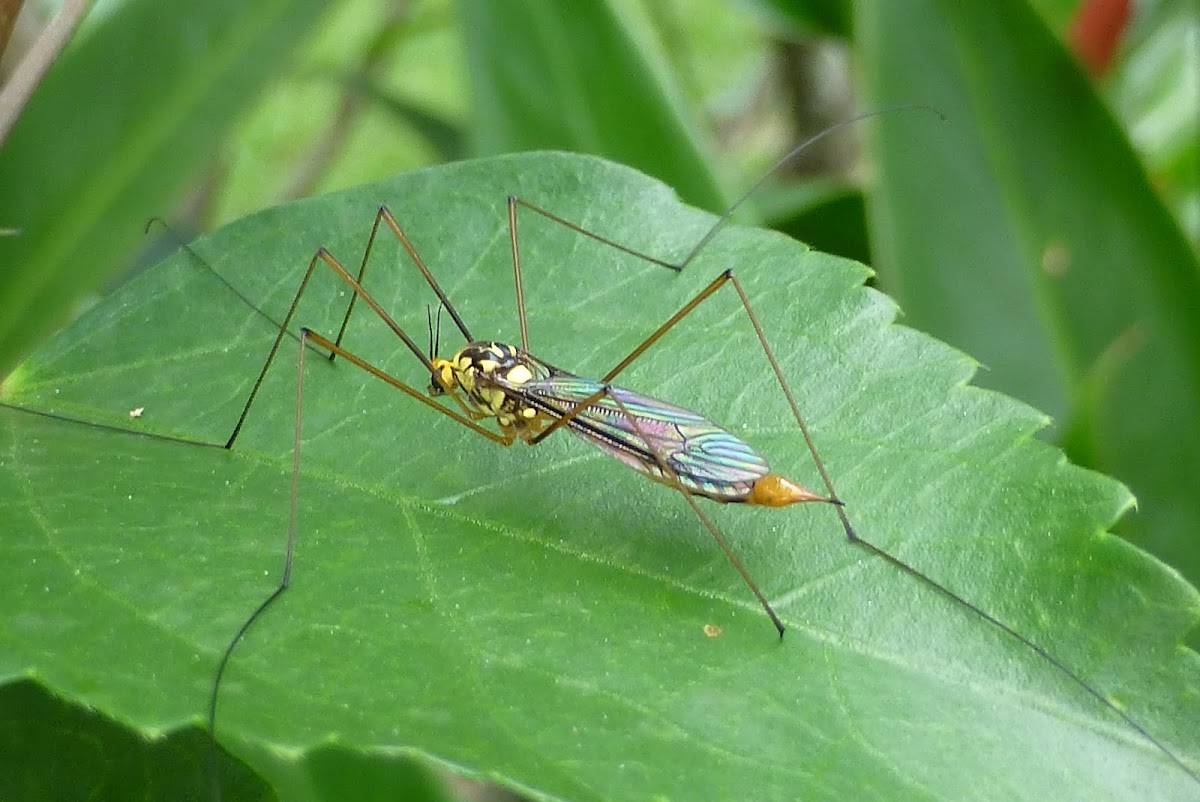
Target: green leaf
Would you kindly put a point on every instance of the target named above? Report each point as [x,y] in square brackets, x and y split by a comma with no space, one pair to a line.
[1026,231]
[538,616]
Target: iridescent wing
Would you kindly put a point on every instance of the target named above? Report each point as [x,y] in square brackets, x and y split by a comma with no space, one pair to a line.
[709,460]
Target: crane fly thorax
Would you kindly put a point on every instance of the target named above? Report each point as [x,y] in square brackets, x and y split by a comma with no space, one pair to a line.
[490,375]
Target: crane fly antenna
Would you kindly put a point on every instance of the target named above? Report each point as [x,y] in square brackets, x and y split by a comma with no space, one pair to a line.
[437,338]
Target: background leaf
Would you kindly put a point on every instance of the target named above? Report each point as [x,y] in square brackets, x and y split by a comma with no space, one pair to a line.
[79,179]
[610,96]
[537,616]
[1054,263]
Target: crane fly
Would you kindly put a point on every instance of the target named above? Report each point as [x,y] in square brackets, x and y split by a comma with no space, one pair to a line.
[530,399]
[503,392]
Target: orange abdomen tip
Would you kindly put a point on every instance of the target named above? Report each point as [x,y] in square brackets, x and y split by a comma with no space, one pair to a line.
[774,490]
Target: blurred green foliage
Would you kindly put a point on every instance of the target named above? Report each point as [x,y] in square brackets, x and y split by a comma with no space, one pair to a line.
[1049,227]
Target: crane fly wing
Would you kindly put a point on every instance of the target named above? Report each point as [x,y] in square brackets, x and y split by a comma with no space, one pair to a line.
[707,459]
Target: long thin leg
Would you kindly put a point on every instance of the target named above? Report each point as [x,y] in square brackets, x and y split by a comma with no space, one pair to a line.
[333,348]
[306,337]
[513,203]
[729,277]
[516,261]
[670,473]
[323,256]
[284,581]
[108,427]
[384,215]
